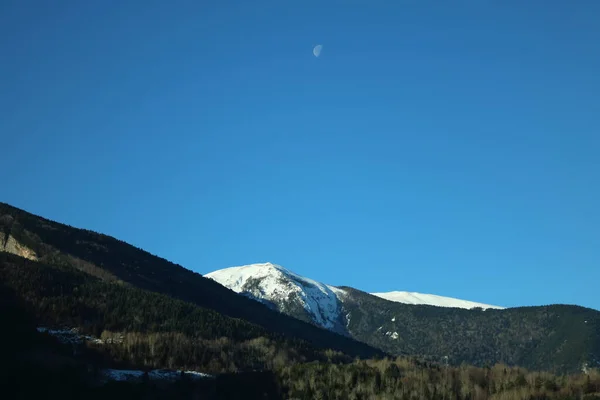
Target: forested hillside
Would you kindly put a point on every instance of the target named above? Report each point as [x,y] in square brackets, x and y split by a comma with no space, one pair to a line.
[409,379]
[149,329]
[36,366]
[560,338]
[112,260]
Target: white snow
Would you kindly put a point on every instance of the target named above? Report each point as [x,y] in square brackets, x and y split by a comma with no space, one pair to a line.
[122,374]
[167,374]
[431,299]
[277,284]
[393,335]
[584,369]
[68,335]
[339,292]
[156,374]
[197,375]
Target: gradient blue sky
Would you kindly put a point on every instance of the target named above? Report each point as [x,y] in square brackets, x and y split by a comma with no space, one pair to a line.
[447,147]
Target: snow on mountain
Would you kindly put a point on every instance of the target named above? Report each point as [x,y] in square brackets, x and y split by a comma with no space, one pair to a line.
[285,290]
[431,299]
[312,301]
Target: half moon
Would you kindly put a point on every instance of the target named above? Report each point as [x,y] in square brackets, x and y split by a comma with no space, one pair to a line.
[317,50]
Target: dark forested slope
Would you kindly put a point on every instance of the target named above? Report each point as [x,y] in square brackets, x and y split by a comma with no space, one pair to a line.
[140,328]
[112,260]
[557,337]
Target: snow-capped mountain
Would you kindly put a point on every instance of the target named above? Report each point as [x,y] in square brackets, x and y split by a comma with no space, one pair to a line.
[432,300]
[313,301]
[286,291]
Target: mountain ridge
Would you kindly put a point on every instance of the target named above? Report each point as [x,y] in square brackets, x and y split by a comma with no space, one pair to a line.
[285,290]
[477,333]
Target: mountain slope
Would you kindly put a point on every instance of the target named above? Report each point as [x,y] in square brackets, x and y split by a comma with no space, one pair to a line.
[143,328]
[559,337]
[431,300]
[115,261]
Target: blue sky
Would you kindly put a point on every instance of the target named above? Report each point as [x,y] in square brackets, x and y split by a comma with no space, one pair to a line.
[442,147]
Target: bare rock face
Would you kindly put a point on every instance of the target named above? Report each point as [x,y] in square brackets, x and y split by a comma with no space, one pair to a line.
[10,245]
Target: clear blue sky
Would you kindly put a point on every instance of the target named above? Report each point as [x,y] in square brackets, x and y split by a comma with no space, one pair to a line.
[447,147]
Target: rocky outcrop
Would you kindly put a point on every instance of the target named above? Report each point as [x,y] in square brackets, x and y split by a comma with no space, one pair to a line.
[10,245]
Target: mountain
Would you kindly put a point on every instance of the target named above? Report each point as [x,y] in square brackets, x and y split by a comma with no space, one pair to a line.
[285,291]
[312,301]
[309,300]
[555,337]
[431,300]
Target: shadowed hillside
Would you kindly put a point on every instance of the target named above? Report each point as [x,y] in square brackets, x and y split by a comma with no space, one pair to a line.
[112,260]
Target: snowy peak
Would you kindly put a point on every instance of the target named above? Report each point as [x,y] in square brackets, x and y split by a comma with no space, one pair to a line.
[290,293]
[432,300]
[311,301]
[237,278]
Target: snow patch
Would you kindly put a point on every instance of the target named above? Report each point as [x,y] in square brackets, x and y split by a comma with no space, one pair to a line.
[197,375]
[432,300]
[69,336]
[585,369]
[338,292]
[123,375]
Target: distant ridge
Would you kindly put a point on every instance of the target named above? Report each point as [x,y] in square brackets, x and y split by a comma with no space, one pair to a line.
[432,300]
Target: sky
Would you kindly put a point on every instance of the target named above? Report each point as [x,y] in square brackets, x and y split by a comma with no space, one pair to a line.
[445,147]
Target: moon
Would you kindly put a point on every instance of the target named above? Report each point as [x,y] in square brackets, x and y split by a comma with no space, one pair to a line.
[317,50]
